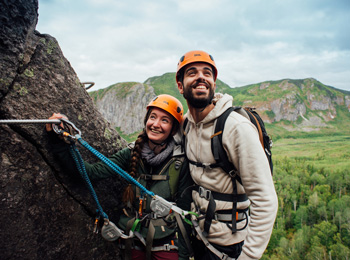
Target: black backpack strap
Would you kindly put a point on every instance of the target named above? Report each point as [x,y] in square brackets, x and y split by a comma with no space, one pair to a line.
[183,141]
[221,159]
[218,150]
[185,124]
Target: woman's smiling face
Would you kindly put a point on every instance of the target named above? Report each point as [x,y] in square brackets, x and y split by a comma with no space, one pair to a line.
[159,125]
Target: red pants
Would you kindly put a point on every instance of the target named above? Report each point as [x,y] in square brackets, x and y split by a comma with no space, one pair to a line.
[156,255]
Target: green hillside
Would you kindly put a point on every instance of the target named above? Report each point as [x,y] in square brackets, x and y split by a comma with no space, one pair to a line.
[293,92]
[260,94]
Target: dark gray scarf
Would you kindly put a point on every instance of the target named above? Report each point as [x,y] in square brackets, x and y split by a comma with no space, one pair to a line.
[156,159]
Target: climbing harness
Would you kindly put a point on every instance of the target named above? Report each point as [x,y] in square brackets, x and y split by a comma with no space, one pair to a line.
[219,254]
[230,217]
[109,231]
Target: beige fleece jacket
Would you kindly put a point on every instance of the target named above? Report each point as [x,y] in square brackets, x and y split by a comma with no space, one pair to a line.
[241,142]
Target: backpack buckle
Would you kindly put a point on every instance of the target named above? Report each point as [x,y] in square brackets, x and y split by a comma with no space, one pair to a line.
[153,215]
[204,193]
[207,166]
[232,173]
[146,177]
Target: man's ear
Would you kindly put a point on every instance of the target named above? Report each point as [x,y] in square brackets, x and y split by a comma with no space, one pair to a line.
[180,87]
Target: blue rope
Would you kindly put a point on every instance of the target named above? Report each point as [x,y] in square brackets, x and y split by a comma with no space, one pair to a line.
[81,167]
[114,166]
[82,170]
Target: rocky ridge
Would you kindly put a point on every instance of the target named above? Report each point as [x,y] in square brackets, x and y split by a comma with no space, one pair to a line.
[295,105]
[47,213]
[307,104]
[126,108]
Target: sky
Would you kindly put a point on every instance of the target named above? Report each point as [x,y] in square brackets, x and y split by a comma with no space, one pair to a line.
[112,41]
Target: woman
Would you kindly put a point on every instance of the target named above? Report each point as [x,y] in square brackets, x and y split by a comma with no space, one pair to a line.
[154,162]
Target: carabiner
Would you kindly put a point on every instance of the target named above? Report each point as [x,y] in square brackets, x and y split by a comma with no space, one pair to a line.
[66,133]
[72,125]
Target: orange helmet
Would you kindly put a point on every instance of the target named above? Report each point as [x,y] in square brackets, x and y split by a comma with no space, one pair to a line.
[196,56]
[169,104]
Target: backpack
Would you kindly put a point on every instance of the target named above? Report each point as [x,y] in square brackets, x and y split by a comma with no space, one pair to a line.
[216,140]
[254,117]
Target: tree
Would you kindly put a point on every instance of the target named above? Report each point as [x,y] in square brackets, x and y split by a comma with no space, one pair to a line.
[316,178]
[312,208]
[314,200]
[339,251]
[342,211]
[277,233]
[301,217]
[317,251]
[323,191]
[325,231]
[301,242]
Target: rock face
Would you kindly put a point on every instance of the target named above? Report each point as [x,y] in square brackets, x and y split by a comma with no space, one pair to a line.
[126,110]
[46,213]
[307,104]
[282,108]
[295,105]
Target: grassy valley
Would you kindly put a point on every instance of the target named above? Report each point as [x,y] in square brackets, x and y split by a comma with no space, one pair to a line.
[331,153]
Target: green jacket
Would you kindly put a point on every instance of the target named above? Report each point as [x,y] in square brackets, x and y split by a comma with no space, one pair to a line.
[175,166]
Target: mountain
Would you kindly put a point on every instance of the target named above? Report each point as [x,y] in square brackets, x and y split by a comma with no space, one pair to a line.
[304,105]
[287,105]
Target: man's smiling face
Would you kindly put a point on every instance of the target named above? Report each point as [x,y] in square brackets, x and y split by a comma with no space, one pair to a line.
[198,85]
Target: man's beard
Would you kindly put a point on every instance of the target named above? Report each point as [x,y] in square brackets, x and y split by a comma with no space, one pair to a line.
[199,102]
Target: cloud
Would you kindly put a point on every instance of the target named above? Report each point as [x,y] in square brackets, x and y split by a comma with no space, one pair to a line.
[110,41]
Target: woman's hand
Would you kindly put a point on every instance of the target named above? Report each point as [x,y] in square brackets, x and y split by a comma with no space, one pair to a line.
[55,116]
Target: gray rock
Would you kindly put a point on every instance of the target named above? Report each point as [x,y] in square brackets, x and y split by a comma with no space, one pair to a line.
[46,214]
[126,112]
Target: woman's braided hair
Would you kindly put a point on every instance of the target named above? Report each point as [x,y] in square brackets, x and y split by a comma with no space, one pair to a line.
[128,195]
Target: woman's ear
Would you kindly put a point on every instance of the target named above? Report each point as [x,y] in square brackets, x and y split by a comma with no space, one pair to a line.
[175,128]
[173,132]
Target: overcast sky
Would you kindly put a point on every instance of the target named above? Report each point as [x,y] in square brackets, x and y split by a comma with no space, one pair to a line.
[111,41]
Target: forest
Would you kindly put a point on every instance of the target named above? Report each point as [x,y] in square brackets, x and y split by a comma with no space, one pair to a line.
[312,181]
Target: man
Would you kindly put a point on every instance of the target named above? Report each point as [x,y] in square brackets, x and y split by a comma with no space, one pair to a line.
[240,237]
